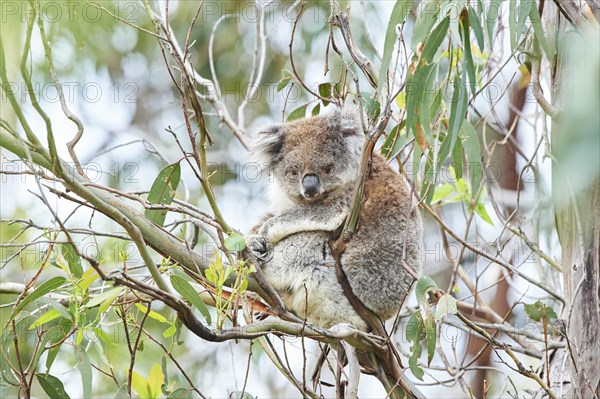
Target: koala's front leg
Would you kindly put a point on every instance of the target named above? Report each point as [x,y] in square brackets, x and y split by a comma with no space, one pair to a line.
[259,248]
[304,217]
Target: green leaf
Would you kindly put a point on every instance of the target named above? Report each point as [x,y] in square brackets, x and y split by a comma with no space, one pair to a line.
[111,295]
[538,31]
[469,64]
[73,260]
[186,290]
[169,332]
[155,380]
[416,95]
[180,393]
[53,387]
[482,212]
[298,113]
[424,285]
[152,314]
[140,385]
[399,12]
[458,111]
[286,76]
[45,318]
[446,304]
[477,29]
[431,334]
[235,242]
[490,19]
[85,369]
[395,141]
[43,289]
[470,143]
[435,40]
[538,310]
[425,21]
[122,392]
[163,191]
[87,279]
[326,90]
[315,111]
[241,395]
[457,158]
[371,106]
[102,335]
[550,313]
[424,105]
[6,372]
[534,311]
[415,333]
[512,24]
[51,357]
[524,12]
[442,192]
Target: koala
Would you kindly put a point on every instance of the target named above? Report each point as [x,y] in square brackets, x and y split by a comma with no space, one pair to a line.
[313,164]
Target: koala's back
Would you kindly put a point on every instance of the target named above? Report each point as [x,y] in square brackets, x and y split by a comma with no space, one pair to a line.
[302,270]
[389,234]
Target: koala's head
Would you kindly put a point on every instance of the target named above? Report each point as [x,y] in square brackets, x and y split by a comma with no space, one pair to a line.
[311,158]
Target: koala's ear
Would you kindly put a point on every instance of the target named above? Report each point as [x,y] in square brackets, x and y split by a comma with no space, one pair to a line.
[347,120]
[267,144]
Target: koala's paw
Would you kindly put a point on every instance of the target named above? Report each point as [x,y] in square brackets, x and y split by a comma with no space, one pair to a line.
[259,248]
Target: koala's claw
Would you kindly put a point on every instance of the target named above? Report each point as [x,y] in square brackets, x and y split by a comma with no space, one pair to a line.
[259,248]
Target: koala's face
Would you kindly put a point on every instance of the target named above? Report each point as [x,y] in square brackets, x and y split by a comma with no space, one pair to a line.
[311,158]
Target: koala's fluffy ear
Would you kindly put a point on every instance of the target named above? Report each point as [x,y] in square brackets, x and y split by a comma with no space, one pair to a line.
[347,120]
[267,145]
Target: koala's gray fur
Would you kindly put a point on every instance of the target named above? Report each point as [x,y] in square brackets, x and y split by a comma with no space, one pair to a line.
[314,163]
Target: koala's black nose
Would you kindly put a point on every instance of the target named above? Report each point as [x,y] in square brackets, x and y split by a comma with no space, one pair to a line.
[310,185]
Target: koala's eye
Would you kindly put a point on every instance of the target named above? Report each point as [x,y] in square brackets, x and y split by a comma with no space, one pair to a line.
[328,168]
[292,172]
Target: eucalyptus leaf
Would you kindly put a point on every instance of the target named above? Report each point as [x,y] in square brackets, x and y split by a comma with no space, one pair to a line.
[163,191]
[186,290]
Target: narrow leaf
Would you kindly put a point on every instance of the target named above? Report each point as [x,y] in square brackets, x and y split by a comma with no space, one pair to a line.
[152,314]
[512,24]
[442,192]
[98,299]
[446,304]
[482,212]
[155,380]
[538,31]
[425,21]
[477,29]
[399,12]
[298,113]
[73,260]
[470,143]
[490,19]
[140,385]
[45,318]
[469,64]
[431,334]
[85,369]
[186,290]
[435,40]
[163,191]
[53,387]
[41,290]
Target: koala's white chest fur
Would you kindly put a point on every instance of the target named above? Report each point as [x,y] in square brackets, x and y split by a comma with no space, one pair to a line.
[302,270]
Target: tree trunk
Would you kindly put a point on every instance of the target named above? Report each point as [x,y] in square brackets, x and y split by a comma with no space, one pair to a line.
[576,194]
